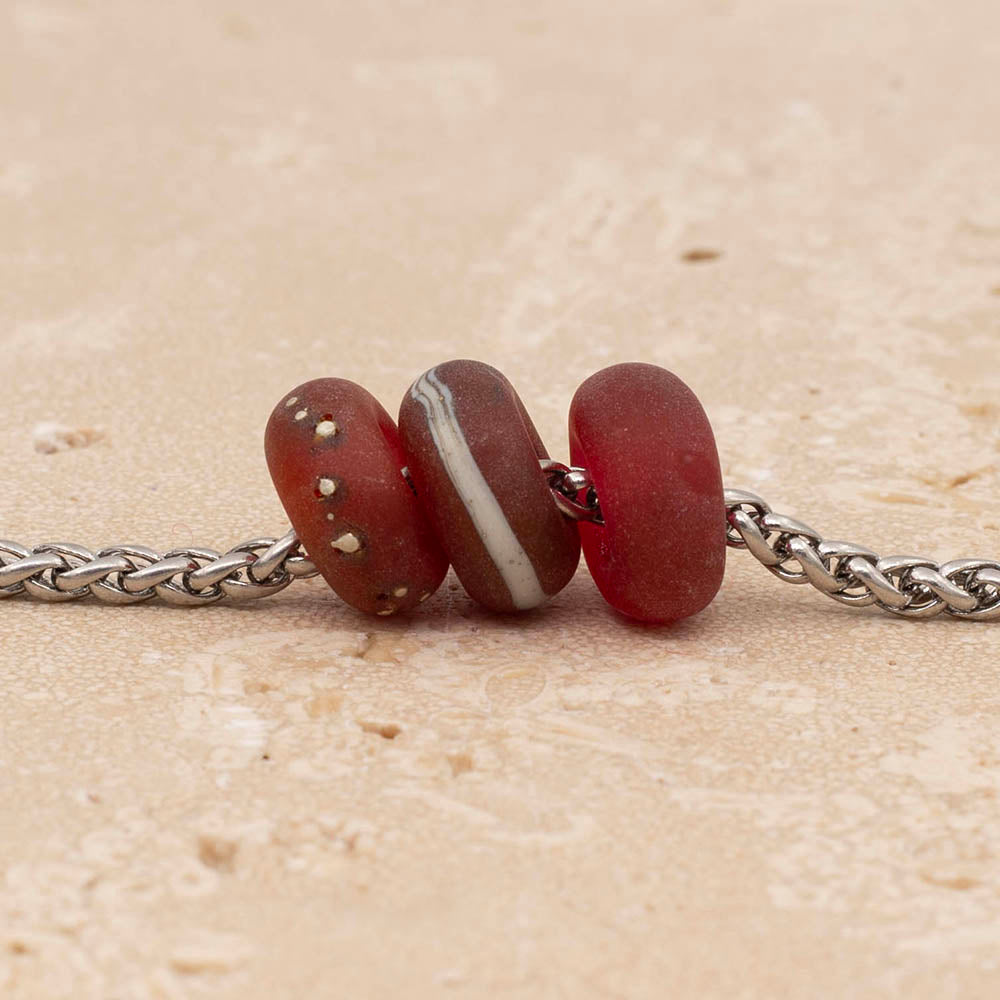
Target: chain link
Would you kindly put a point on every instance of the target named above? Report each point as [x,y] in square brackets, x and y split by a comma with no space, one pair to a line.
[129,574]
[567,483]
[852,574]
[909,586]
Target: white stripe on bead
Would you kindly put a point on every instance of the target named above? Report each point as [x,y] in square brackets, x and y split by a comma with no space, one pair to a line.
[488,518]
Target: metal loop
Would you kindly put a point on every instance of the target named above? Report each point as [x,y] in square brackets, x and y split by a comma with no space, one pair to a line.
[838,555]
[980,578]
[151,576]
[567,482]
[90,572]
[881,588]
[182,591]
[45,584]
[269,556]
[785,525]
[301,567]
[14,572]
[780,570]
[244,587]
[919,601]
[114,589]
[939,585]
[752,537]
[253,584]
[737,502]
[984,582]
[217,570]
[815,567]
[755,531]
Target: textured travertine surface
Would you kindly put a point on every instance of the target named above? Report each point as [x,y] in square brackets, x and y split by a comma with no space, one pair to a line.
[793,206]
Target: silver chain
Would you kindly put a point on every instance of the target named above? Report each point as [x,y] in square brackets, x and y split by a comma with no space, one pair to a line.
[567,483]
[128,574]
[851,574]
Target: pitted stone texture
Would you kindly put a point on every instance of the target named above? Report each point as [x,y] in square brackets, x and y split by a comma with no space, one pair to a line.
[336,462]
[644,436]
[474,457]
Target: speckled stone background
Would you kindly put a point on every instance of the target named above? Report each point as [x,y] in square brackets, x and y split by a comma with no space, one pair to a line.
[795,206]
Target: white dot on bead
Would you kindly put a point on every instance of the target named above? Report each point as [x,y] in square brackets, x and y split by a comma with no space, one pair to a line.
[386,611]
[291,401]
[401,591]
[424,596]
[331,517]
[348,542]
[326,428]
[302,414]
[327,487]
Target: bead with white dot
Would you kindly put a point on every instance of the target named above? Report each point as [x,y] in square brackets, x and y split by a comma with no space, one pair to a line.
[347,543]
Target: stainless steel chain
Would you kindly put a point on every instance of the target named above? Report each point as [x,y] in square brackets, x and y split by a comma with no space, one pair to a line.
[851,574]
[128,574]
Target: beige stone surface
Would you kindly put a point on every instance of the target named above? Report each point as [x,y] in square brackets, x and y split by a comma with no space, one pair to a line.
[202,204]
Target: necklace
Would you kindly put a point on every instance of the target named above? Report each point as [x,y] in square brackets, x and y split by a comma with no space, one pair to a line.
[382,509]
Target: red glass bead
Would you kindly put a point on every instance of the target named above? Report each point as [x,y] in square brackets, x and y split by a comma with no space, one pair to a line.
[474,457]
[647,443]
[336,461]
